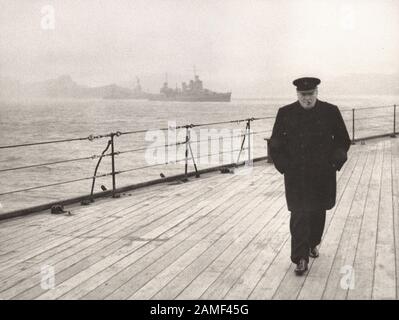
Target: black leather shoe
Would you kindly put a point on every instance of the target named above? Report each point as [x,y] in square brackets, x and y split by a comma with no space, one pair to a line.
[301,267]
[314,252]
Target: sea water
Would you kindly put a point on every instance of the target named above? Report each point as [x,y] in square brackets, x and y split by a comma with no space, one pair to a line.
[35,120]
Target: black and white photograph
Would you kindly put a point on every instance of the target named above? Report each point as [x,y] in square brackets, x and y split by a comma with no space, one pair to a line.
[212,152]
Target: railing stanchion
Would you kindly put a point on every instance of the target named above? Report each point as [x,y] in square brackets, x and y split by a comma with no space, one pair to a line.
[249,141]
[188,152]
[242,144]
[197,175]
[353,126]
[113,165]
[394,122]
[186,156]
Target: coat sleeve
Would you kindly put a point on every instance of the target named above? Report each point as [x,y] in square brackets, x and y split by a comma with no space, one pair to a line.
[342,141]
[278,144]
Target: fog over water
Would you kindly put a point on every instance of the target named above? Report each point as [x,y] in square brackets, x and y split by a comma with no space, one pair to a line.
[255,49]
[252,48]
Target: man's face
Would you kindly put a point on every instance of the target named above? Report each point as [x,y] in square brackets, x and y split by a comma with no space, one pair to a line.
[307,99]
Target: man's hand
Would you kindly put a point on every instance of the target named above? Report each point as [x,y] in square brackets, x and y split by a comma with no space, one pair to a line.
[339,158]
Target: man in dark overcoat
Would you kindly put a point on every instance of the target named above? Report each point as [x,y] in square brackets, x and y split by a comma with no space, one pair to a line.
[309,143]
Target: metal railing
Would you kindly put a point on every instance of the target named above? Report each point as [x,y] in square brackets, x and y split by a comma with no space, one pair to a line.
[113,173]
[359,124]
[355,117]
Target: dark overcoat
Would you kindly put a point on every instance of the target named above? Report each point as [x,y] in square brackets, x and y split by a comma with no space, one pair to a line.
[308,147]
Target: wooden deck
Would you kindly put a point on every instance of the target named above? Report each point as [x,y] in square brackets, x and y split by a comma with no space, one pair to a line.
[222,236]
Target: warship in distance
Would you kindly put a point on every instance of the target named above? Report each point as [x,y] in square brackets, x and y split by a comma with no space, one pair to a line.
[193,92]
[117,92]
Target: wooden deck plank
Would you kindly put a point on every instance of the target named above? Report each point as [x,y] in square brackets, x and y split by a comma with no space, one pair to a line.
[97,227]
[73,224]
[395,201]
[384,285]
[216,237]
[219,255]
[20,246]
[53,241]
[335,247]
[18,226]
[220,276]
[209,214]
[101,210]
[157,211]
[63,278]
[204,238]
[273,275]
[119,279]
[314,283]
[51,255]
[30,288]
[104,205]
[246,283]
[66,232]
[193,262]
[344,258]
[93,269]
[102,276]
[365,252]
[26,284]
[68,287]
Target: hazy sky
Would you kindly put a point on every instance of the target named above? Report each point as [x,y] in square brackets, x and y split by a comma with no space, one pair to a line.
[238,45]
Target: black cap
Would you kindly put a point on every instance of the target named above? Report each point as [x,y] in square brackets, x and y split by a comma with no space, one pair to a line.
[306,84]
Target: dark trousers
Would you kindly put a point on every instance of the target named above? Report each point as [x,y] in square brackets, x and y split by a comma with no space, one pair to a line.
[306,231]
